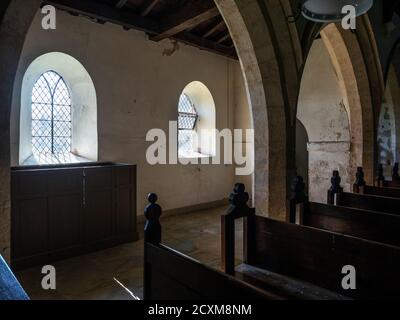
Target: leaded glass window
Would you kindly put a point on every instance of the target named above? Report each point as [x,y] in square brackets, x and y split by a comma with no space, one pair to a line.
[186,125]
[51,115]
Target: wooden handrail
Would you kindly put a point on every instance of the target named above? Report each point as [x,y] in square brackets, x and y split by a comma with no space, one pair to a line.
[238,209]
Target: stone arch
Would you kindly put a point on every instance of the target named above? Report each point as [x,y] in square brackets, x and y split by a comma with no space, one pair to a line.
[389,119]
[302,156]
[393,91]
[322,109]
[347,59]
[16,18]
[270,68]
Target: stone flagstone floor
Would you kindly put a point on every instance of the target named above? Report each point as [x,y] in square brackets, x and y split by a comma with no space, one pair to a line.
[117,273]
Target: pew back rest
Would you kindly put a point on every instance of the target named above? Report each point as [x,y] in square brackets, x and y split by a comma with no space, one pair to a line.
[391,184]
[170,275]
[359,223]
[318,256]
[369,202]
[382,191]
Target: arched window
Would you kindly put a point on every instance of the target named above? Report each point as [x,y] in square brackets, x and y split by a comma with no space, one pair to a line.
[187,121]
[196,122]
[51,116]
[58,112]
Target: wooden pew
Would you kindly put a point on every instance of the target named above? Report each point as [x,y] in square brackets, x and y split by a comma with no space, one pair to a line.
[170,275]
[319,256]
[369,225]
[361,187]
[336,196]
[394,183]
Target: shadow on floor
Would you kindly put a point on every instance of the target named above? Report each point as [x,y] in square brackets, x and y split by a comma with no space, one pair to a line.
[117,273]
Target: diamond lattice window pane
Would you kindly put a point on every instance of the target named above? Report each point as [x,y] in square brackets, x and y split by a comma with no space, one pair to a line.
[41,112]
[187,113]
[186,105]
[51,115]
[185,142]
[187,120]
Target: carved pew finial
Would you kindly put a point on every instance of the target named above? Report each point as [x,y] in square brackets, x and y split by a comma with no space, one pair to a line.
[360,183]
[298,190]
[381,177]
[395,174]
[335,188]
[238,208]
[335,182]
[297,199]
[238,199]
[152,212]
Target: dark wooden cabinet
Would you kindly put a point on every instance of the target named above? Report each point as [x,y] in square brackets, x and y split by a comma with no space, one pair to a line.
[59,212]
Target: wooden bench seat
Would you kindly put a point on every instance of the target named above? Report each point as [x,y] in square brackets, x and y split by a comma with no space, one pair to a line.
[290,288]
[170,275]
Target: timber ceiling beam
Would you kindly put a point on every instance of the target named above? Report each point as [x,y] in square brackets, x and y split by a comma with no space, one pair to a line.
[191,15]
[106,13]
[216,28]
[149,7]
[128,20]
[121,3]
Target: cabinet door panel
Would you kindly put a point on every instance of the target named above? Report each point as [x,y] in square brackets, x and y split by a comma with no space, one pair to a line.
[65,221]
[32,227]
[98,215]
[124,212]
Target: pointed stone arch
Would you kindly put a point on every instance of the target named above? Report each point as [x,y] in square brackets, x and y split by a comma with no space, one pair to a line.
[347,59]
[270,68]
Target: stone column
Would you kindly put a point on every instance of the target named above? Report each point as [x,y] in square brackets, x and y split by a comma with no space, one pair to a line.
[15,21]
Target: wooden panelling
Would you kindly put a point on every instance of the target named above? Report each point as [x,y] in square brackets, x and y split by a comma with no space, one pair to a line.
[31,226]
[98,215]
[59,212]
[65,213]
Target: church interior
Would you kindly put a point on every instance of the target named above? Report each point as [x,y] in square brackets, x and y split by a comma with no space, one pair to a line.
[199,149]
